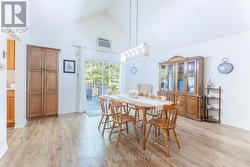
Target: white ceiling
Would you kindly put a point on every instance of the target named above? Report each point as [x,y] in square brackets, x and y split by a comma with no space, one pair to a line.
[164,24]
[171,24]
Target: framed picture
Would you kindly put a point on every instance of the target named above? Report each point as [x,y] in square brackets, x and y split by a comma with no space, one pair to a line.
[69,66]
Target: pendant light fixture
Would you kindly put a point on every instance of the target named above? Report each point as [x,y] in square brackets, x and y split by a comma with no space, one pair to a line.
[140,50]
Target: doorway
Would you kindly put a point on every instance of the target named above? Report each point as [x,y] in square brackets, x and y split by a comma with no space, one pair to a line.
[11,44]
[100,79]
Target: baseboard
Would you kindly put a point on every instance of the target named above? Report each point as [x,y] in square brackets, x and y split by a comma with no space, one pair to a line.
[20,125]
[2,151]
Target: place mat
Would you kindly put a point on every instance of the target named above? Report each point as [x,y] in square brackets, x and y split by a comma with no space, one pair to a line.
[141,101]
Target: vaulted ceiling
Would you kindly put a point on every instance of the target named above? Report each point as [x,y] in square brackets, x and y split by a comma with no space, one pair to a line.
[163,24]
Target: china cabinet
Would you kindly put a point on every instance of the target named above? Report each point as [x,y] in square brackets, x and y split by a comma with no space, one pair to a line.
[182,81]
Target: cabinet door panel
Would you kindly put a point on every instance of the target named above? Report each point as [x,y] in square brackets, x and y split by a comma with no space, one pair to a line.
[35,97]
[50,92]
[180,84]
[163,77]
[50,104]
[50,78]
[10,111]
[192,106]
[181,100]
[170,77]
[191,77]
[35,58]
[51,59]
[35,82]
[35,105]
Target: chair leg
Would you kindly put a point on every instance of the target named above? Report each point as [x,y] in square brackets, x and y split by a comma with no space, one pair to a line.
[118,135]
[155,131]
[165,138]
[158,134]
[168,133]
[150,126]
[105,123]
[111,131]
[100,122]
[141,125]
[135,131]
[177,142]
[127,128]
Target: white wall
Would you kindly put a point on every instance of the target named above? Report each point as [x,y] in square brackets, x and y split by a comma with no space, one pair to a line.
[235,96]
[50,30]
[3,99]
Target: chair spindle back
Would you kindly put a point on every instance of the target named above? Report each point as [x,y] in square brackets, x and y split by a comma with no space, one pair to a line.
[170,114]
[117,109]
[104,105]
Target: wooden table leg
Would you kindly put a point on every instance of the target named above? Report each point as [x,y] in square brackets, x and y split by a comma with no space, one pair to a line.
[144,128]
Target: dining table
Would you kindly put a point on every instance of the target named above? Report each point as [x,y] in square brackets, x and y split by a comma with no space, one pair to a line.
[143,104]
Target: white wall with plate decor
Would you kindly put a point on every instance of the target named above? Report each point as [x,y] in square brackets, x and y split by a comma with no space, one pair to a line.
[235,94]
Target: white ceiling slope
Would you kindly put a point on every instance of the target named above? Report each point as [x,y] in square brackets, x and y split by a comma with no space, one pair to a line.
[164,24]
[172,24]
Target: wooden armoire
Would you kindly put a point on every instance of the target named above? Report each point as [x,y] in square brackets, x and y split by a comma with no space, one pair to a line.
[182,81]
[42,81]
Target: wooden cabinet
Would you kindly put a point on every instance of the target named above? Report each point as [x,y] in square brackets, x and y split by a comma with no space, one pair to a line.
[10,54]
[182,81]
[42,88]
[181,99]
[192,107]
[10,108]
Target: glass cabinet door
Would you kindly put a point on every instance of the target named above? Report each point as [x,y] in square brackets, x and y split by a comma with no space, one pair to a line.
[191,77]
[163,72]
[180,77]
[170,77]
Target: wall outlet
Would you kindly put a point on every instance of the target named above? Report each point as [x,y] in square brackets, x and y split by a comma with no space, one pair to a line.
[2,67]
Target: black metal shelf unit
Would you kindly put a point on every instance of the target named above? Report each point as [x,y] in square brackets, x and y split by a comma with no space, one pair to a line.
[216,96]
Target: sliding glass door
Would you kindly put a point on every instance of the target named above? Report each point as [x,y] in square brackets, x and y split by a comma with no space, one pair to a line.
[100,78]
[111,73]
[93,82]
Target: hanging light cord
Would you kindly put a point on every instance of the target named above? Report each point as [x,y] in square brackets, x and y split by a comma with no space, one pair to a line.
[130,20]
[137,21]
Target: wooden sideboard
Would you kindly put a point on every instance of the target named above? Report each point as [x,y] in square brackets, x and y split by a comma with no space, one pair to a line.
[182,81]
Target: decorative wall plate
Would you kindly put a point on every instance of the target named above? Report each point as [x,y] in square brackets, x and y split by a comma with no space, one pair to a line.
[133,70]
[225,67]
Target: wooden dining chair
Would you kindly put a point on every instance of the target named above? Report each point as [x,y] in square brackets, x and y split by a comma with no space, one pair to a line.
[154,112]
[165,122]
[106,114]
[121,117]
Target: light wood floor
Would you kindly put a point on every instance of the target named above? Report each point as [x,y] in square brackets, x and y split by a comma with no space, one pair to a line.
[73,140]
